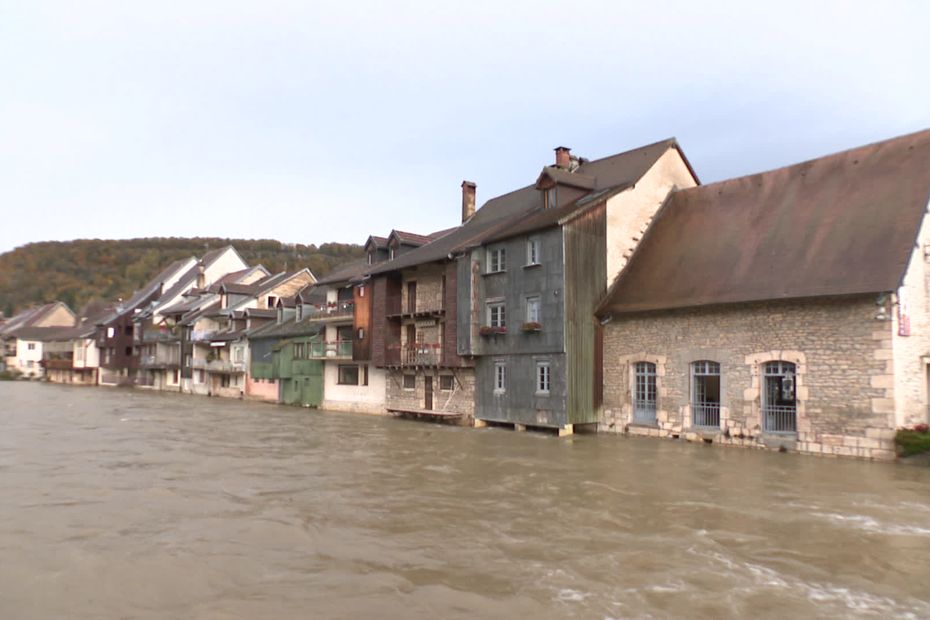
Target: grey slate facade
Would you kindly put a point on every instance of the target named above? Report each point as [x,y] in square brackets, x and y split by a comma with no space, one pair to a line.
[519,351]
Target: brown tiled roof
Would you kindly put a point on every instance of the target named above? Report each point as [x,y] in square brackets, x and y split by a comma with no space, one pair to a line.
[346,273]
[574,179]
[378,242]
[26,320]
[843,224]
[409,238]
[610,175]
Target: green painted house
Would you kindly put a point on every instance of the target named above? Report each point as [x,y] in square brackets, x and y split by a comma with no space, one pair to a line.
[281,352]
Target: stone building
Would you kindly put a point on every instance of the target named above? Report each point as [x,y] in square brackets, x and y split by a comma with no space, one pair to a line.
[787,309]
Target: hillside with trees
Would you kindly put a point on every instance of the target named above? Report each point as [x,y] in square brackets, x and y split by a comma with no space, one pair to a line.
[85,270]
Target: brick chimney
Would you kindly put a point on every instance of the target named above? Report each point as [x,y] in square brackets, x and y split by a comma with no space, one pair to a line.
[468,200]
[563,157]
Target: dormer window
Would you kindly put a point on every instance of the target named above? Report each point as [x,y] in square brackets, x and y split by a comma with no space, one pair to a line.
[391,254]
[552,197]
[271,301]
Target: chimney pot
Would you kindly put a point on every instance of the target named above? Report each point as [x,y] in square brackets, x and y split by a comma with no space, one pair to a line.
[563,157]
[468,200]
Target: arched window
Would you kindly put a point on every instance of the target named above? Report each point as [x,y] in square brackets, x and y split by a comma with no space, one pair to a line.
[644,393]
[779,397]
[705,394]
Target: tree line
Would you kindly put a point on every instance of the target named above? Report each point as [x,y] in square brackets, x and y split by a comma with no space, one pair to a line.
[93,270]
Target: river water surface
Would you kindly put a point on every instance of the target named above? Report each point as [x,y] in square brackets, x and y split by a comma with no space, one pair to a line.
[125,504]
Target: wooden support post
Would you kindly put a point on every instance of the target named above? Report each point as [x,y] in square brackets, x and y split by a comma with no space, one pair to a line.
[519,427]
[568,429]
[480,423]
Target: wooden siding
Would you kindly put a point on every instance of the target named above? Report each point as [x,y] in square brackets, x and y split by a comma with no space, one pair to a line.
[384,333]
[450,356]
[585,277]
[361,347]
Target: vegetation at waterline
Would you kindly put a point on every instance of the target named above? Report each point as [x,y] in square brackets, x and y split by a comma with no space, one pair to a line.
[84,270]
[911,441]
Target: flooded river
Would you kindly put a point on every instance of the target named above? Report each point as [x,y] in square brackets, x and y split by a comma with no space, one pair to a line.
[123,504]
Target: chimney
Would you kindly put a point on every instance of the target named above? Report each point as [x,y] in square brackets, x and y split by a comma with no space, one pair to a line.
[201,279]
[468,200]
[563,157]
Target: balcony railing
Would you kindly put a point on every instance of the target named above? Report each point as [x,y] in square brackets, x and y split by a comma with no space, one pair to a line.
[159,335]
[331,312]
[706,415]
[58,364]
[419,354]
[335,349]
[780,419]
[160,360]
[644,411]
[225,366]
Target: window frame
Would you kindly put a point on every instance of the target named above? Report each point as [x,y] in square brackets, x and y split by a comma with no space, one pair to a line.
[413,378]
[340,380]
[700,369]
[533,301]
[775,373]
[543,378]
[533,251]
[498,318]
[646,391]
[500,377]
[497,259]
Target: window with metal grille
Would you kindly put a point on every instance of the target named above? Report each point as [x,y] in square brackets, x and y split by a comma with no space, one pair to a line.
[705,394]
[644,394]
[779,397]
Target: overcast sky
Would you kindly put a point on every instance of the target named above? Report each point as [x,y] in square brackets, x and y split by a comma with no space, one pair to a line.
[311,122]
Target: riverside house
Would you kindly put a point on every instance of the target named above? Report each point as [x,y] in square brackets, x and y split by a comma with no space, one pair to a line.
[528,286]
[787,309]
[23,337]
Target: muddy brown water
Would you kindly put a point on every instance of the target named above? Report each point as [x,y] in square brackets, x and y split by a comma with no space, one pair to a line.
[124,504]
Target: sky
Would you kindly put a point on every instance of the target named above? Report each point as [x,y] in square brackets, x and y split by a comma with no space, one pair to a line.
[311,122]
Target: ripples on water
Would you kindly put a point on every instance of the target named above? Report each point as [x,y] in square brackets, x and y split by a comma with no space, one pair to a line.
[124,504]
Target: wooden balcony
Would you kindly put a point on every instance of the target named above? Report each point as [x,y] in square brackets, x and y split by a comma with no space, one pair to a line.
[419,355]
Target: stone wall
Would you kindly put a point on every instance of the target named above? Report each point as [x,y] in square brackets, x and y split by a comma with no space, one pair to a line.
[460,400]
[911,336]
[429,286]
[844,364]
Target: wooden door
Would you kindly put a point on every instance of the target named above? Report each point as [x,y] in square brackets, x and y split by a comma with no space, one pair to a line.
[412,296]
[428,393]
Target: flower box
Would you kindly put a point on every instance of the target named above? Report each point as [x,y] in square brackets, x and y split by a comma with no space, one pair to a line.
[487,330]
[532,326]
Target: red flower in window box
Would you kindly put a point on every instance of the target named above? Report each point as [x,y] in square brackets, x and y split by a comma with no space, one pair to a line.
[532,326]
